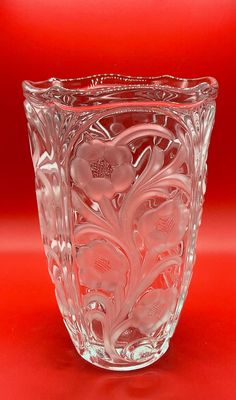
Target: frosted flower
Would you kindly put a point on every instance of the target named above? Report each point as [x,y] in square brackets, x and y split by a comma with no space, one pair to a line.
[101,266]
[164,227]
[102,169]
[154,309]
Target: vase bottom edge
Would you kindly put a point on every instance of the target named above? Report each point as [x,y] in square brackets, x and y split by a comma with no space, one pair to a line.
[125,366]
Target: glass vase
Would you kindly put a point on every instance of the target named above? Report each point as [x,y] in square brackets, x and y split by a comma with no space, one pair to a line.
[120,169]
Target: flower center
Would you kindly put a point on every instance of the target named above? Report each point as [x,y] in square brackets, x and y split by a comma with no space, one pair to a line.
[101,169]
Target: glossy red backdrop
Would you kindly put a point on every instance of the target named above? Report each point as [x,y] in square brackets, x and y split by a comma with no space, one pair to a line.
[40,39]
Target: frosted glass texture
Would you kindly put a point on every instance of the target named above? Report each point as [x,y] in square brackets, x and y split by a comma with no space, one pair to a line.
[120,168]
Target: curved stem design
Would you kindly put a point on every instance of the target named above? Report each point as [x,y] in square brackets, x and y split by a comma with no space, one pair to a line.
[116,226]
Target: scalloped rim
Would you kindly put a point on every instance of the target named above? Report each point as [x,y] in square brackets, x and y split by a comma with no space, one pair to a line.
[206,84]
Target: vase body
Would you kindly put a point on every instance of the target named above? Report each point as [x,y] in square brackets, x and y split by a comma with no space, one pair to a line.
[120,167]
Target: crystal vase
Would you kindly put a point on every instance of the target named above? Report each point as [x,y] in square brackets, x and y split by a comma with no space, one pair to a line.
[120,169]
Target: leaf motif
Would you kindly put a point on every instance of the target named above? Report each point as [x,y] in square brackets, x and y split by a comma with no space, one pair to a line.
[140,130]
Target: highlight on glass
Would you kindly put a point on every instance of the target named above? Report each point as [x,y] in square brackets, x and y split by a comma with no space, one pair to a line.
[120,171]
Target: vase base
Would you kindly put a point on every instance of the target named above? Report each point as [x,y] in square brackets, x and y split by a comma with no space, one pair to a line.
[92,357]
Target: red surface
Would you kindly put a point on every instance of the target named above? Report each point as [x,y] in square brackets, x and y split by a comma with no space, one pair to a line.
[43,38]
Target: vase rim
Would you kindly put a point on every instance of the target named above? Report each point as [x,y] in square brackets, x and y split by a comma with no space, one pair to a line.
[194,89]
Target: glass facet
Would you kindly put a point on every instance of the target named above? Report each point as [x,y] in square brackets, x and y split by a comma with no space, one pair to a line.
[120,169]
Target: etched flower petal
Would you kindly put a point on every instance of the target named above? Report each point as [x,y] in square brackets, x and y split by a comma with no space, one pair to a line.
[164,226]
[99,187]
[91,150]
[122,177]
[117,155]
[101,265]
[80,172]
[182,217]
[102,169]
[154,309]
[172,221]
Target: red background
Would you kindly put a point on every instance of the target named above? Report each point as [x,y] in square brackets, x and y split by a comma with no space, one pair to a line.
[40,39]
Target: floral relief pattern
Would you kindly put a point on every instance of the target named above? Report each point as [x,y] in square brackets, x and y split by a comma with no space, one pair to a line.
[101,265]
[119,260]
[120,167]
[101,169]
[164,227]
[154,309]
